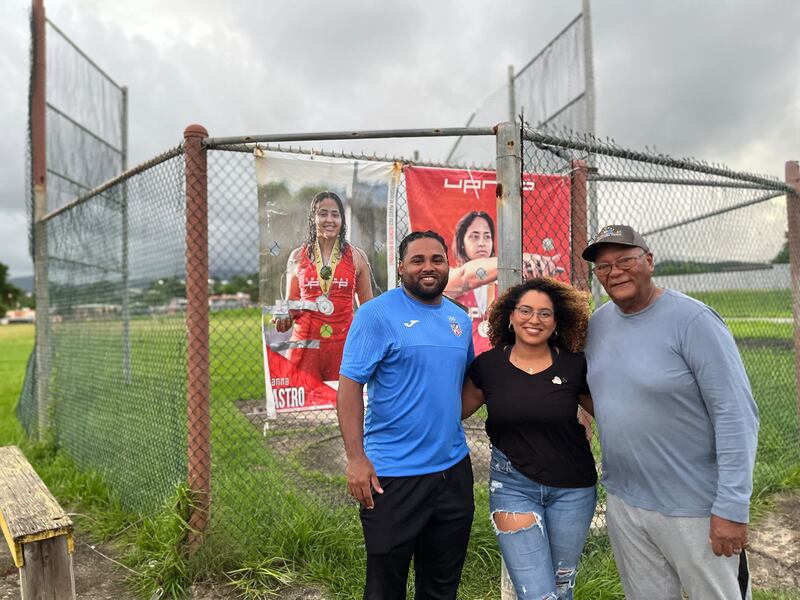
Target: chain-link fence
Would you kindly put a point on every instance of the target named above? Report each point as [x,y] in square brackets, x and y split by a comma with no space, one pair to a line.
[156,376]
[116,350]
[716,235]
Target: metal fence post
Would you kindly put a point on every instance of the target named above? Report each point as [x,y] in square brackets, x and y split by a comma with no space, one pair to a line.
[509,205]
[509,230]
[197,385]
[793,220]
[40,251]
[512,95]
[126,300]
[578,225]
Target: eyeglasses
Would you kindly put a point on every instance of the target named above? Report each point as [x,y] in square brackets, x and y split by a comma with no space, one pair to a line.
[625,263]
[526,312]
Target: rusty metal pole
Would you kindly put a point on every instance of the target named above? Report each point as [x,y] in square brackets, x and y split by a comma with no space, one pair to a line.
[793,220]
[197,349]
[578,224]
[40,246]
[579,211]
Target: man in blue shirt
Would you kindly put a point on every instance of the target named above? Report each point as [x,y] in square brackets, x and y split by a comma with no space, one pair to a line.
[678,429]
[407,461]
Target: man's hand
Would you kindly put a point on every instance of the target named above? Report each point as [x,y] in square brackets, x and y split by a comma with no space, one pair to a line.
[361,480]
[727,537]
[536,265]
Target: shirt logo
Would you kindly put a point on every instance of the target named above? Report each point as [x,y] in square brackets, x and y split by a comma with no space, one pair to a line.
[455,326]
[411,323]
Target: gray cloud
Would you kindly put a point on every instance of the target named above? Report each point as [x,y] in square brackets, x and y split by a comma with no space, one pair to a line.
[715,80]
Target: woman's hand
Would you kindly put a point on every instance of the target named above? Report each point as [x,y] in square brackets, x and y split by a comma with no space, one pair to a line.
[283,324]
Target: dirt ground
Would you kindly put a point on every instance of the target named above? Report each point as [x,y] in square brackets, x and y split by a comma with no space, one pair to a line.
[774,562]
[775,546]
[97,577]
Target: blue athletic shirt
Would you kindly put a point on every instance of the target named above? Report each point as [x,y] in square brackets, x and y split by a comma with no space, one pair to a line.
[413,357]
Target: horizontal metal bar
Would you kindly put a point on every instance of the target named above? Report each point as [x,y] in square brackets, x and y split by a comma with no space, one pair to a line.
[115,181]
[212,142]
[248,148]
[561,110]
[549,45]
[83,54]
[86,265]
[715,213]
[68,179]
[597,147]
[673,181]
[83,128]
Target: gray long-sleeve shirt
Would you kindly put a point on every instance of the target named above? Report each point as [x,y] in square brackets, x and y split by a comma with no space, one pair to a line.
[677,420]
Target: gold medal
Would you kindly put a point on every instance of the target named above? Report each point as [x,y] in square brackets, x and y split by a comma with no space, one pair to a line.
[325,272]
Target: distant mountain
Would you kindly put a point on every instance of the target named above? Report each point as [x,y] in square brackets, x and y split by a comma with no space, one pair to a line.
[23,283]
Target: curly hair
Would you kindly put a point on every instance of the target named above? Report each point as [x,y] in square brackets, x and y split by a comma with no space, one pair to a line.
[459,248]
[311,237]
[571,308]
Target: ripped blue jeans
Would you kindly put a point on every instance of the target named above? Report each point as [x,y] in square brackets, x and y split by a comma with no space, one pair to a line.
[540,529]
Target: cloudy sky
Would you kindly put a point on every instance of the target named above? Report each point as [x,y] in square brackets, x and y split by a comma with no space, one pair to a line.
[717,80]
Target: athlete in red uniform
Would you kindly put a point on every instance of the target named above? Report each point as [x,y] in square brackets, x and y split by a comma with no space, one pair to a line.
[328,272]
[473,282]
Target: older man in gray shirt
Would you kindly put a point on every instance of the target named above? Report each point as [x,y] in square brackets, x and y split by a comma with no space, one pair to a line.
[678,428]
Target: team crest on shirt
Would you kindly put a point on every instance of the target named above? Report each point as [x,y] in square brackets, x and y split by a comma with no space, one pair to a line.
[455,326]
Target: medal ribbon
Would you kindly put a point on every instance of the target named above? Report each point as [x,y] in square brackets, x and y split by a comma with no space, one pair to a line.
[329,269]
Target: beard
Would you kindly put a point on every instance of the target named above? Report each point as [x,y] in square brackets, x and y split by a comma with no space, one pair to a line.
[414,287]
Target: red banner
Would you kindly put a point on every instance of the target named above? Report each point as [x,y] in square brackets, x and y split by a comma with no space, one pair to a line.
[461,206]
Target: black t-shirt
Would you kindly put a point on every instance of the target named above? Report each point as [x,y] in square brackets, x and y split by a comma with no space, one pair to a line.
[533,418]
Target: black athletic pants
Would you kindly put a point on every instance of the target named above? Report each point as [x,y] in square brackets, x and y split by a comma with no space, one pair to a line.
[424,516]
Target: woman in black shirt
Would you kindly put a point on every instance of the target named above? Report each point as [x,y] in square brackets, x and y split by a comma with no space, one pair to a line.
[542,473]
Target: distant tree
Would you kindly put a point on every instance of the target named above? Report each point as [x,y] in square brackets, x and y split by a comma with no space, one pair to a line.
[27,300]
[161,291]
[247,283]
[9,293]
[783,255]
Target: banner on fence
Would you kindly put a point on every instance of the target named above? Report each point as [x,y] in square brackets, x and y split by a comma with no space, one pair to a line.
[323,228]
[322,224]
[461,206]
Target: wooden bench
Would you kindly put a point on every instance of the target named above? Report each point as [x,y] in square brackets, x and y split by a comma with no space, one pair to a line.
[37,530]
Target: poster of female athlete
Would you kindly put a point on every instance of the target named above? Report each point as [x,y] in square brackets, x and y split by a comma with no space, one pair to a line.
[323,254]
[461,206]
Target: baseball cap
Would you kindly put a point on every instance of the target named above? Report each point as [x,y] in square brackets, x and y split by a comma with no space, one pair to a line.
[624,235]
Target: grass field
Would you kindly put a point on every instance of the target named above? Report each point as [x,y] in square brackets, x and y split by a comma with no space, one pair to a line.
[16,344]
[269,515]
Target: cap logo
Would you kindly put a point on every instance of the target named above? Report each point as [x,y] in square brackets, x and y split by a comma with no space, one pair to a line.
[605,232]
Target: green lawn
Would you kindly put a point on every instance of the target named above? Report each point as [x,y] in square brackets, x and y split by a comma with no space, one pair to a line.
[267,501]
[749,303]
[16,343]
